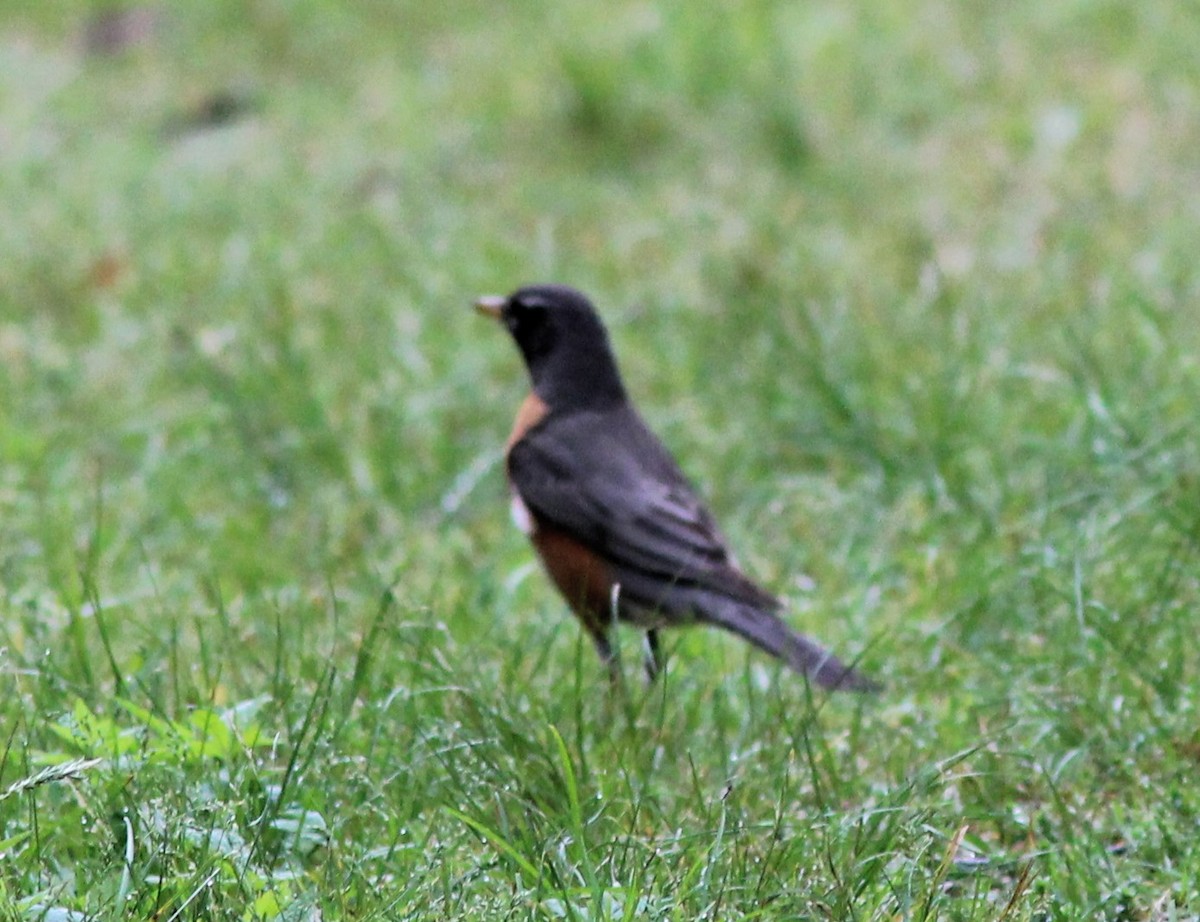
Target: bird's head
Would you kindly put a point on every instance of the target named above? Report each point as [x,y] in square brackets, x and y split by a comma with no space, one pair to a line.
[563,342]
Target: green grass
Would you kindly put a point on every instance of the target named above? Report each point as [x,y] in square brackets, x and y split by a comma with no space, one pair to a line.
[912,291]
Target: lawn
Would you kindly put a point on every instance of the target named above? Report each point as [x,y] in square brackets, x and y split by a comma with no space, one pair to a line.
[912,291]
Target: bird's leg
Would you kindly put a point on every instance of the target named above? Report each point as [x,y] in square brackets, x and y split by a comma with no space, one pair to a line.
[652,662]
[608,657]
[609,654]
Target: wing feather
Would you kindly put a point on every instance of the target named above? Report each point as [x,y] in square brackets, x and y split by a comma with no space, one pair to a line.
[626,498]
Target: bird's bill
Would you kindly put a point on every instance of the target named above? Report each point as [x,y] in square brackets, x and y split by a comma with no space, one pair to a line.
[491,305]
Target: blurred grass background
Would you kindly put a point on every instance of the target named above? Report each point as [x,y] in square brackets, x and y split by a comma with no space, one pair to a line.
[911,289]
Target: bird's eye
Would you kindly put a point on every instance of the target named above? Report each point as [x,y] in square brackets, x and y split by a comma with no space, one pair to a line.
[527,312]
[530,303]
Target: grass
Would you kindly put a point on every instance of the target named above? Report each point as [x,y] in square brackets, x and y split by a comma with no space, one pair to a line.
[911,290]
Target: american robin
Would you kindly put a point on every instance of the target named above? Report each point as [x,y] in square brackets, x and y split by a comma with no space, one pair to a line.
[618,527]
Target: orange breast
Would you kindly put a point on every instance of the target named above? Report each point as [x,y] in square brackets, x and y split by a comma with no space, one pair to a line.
[533,410]
[581,575]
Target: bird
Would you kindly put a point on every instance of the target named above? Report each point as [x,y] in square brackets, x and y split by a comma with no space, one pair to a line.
[619,529]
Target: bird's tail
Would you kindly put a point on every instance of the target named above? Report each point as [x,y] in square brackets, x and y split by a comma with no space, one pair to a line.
[766,631]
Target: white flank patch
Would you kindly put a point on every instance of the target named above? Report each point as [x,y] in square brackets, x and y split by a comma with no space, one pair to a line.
[520,514]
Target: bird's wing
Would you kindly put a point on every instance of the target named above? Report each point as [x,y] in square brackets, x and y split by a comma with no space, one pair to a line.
[606,480]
